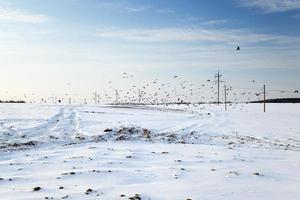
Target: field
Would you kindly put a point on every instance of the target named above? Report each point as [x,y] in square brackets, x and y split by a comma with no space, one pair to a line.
[175,152]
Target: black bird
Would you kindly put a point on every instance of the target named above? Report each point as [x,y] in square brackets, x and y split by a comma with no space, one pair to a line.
[238,48]
[296,91]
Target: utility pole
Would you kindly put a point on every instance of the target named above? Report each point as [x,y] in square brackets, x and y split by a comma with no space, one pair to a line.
[264,98]
[95,97]
[218,82]
[218,87]
[225,97]
[98,98]
[139,96]
[116,96]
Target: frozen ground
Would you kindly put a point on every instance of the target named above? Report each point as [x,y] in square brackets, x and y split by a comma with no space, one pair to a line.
[157,152]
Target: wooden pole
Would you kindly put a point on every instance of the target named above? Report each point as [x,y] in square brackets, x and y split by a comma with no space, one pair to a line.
[98,98]
[264,98]
[218,87]
[116,96]
[139,96]
[225,97]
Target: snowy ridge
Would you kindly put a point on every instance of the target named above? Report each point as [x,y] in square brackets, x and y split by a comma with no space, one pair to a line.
[64,128]
[161,152]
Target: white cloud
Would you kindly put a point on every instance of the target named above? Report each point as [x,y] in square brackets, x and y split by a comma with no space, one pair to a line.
[123,7]
[270,6]
[195,34]
[165,10]
[10,15]
[189,19]
[137,8]
[215,22]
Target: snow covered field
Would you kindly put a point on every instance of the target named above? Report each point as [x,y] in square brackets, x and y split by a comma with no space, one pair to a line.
[149,152]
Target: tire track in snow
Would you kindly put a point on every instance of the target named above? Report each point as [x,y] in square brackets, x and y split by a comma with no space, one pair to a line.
[202,123]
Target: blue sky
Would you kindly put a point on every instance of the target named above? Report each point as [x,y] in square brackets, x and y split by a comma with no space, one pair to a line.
[47,44]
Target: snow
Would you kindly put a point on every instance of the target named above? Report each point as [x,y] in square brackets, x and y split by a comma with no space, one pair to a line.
[158,152]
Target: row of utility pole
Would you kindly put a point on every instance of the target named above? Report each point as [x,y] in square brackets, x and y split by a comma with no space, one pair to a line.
[96,97]
[218,75]
[117,96]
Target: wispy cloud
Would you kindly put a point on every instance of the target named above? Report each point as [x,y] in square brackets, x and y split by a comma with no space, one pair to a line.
[195,34]
[165,10]
[126,7]
[137,8]
[215,22]
[123,7]
[11,15]
[189,19]
[8,37]
[271,6]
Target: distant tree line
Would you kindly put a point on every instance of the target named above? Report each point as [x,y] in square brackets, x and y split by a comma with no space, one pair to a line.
[279,100]
[13,101]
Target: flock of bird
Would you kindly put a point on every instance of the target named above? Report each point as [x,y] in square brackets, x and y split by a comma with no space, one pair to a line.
[156,91]
[175,90]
